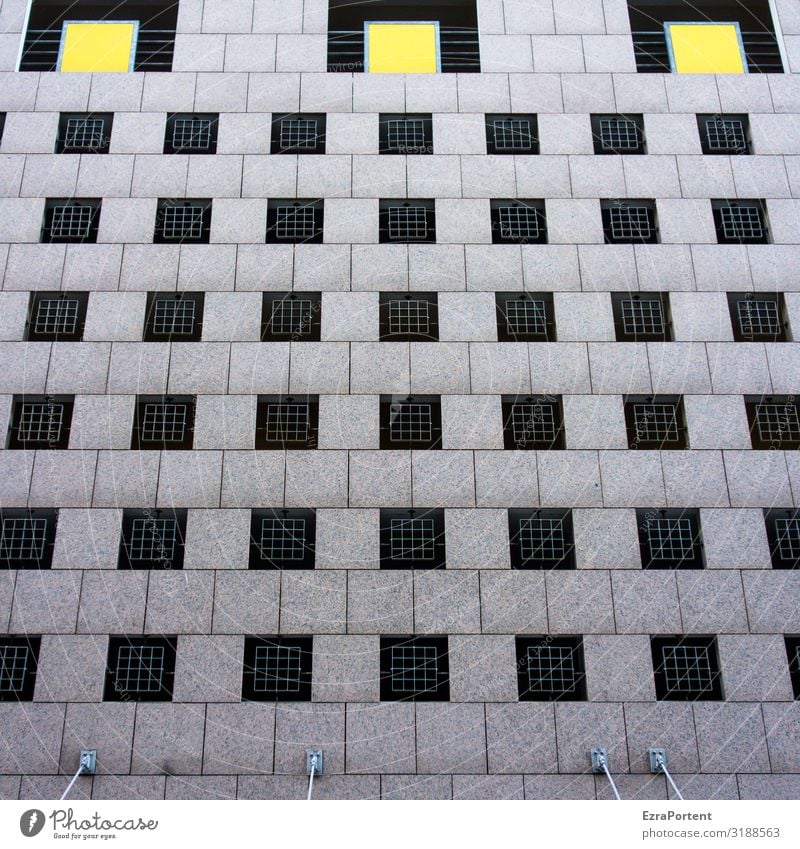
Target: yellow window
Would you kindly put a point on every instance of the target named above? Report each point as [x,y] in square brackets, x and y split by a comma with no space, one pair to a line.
[98,46]
[401,48]
[705,48]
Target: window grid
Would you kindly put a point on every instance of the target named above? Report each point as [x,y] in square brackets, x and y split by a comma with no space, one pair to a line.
[40,421]
[84,134]
[410,422]
[526,317]
[282,539]
[23,539]
[408,223]
[71,221]
[656,422]
[191,133]
[295,223]
[409,316]
[287,422]
[512,134]
[551,669]
[152,539]
[788,538]
[518,222]
[290,317]
[778,423]
[542,539]
[14,660]
[758,317]
[164,422]
[642,317]
[533,423]
[139,669]
[630,222]
[406,134]
[56,315]
[277,669]
[300,133]
[725,134]
[414,668]
[741,222]
[619,134]
[182,222]
[687,669]
[174,317]
[412,539]
[671,539]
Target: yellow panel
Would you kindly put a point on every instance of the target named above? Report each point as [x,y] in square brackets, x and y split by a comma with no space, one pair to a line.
[402,48]
[706,48]
[97,46]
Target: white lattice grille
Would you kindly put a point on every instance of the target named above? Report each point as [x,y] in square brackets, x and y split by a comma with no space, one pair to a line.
[642,317]
[758,317]
[14,662]
[551,669]
[788,535]
[512,134]
[287,422]
[630,222]
[518,222]
[40,421]
[71,221]
[671,539]
[174,317]
[152,539]
[534,422]
[409,316]
[542,539]
[414,669]
[85,134]
[191,133]
[282,539]
[656,422]
[778,422]
[277,669]
[619,134]
[56,315]
[23,539]
[741,222]
[164,422]
[725,134]
[410,422]
[526,317]
[292,317]
[139,669]
[406,135]
[182,222]
[408,223]
[299,133]
[295,223]
[687,669]
[412,539]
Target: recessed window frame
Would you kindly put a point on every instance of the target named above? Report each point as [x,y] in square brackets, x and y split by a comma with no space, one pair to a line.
[436,648]
[641,442]
[509,405]
[51,207]
[648,520]
[140,443]
[630,333]
[389,318]
[388,134]
[114,692]
[257,560]
[39,300]
[790,409]
[192,149]
[525,644]
[392,406]
[13,643]
[263,440]
[309,328]
[541,304]
[154,299]
[278,140]
[603,143]
[386,207]
[68,129]
[313,211]
[776,304]
[389,516]
[707,143]
[48,536]
[136,522]
[521,557]
[607,214]
[529,144]
[163,213]
[528,215]
[302,649]
[59,408]
[719,209]
[783,541]
[664,693]
[792,643]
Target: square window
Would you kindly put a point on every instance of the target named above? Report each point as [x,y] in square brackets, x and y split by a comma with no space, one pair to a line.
[412,539]
[277,669]
[724,134]
[641,317]
[298,133]
[618,134]
[294,221]
[291,317]
[163,423]
[191,133]
[525,317]
[550,669]
[793,654]
[71,220]
[19,657]
[410,422]
[84,133]
[541,539]
[670,539]
[182,221]
[174,317]
[283,539]
[27,538]
[152,539]
[140,669]
[783,533]
[512,134]
[405,134]
[40,421]
[404,221]
[686,668]
[409,318]
[629,221]
[533,422]
[740,222]
[774,422]
[56,316]
[287,422]
[655,422]
[415,669]
[518,222]
[758,317]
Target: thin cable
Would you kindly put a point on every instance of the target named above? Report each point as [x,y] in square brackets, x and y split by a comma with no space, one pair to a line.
[660,762]
[604,766]
[310,776]
[81,768]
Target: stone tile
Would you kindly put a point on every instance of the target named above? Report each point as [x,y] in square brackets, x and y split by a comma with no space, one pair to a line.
[208,669]
[488,787]
[712,601]
[513,602]
[506,479]
[769,787]
[419,788]
[482,668]
[381,738]
[579,602]
[569,478]
[70,669]
[632,478]
[731,737]
[128,787]
[443,479]
[521,737]
[694,478]
[755,669]
[313,602]
[668,725]
[632,787]
[238,738]
[338,787]
[62,479]
[446,602]
[559,787]
[126,478]
[217,539]
[583,727]
[113,602]
[201,787]
[606,539]
[301,726]
[50,787]
[45,602]
[253,479]
[646,602]
[346,669]
[773,601]
[619,668]
[451,738]
[247,602]
[735,539]
[30,737]
[380,367]
[316,479]
[179,602]
[380,478]
[477,539]
[168,738]
[380,602]
[757,478]
[87,539]
[189,479]
[347,539]
[107,727]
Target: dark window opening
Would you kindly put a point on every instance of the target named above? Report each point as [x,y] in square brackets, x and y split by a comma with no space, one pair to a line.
[641,317]
[670,539]
[71,220]
[774,422]
[758,317]
[655,422]
[414,669]
[277,669]
[686,668]
[740,222]
[294,221]
[27,538]
[183,221]
[524,317]
[409,318]
[163,423]
[152,539]
[405,221]
[618,134]
[541,539]
[287,422]
[40,421]
[410,422]
[56,316]
[187,133]
[298,133]
[550,669]
[724,134]
[19,658]
[783,533]
[291,316]
[629,221]
[140,669]
[282,539]
[405,134]
[512,134]
[174,317]
[793,655]
[533,423]
[84,133]
[412,539]
[520,222]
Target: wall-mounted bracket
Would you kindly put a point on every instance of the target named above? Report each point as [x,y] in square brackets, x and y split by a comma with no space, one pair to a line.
[318,766]
[599,760]
[658,760]
[89,761]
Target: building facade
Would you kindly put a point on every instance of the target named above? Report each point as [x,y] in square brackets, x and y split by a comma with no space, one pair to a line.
[445,422]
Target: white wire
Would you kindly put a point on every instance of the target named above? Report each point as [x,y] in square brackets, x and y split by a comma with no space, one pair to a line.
[660,762]
[311,777]
[604,766]
[74,779]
